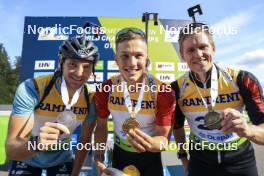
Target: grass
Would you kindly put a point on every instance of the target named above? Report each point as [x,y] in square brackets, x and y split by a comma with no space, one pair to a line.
[3,131]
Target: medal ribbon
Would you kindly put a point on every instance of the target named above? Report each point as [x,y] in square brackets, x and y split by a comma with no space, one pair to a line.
[65,95]
[128,100]
[213,91]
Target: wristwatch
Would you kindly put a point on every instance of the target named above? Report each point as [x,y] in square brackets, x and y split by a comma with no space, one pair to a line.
[182,155]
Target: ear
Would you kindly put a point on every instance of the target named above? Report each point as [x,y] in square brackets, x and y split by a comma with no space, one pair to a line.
[214,49]
[115,58]
[147,62]
[181,54]
[61,62]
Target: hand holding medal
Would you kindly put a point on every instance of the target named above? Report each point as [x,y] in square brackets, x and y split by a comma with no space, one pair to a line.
[67,118]
[233,121]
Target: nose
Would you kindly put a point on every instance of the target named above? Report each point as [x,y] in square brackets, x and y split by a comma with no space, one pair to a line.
[198,53]
[132,61]
[79,70]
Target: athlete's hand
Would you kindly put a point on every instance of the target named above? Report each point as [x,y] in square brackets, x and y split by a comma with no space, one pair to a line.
[185,163]
[50,132]
[141,141]
[233,121]
[101,168]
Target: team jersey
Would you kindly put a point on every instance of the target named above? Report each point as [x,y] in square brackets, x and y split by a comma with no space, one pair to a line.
[155,109]
[240,91]
[27,98]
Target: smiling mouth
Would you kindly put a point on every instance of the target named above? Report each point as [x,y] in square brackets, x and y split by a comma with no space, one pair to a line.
[131,71]
[200,62]
[77,79]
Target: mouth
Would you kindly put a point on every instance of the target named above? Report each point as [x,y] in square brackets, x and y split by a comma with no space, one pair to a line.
[131,71]
[201,62]
[76,79]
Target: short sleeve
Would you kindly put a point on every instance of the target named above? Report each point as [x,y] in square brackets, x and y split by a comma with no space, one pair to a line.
[26,98]
[165,106]
[101,100]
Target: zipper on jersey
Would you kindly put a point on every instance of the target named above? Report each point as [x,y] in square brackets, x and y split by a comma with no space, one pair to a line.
[219,157]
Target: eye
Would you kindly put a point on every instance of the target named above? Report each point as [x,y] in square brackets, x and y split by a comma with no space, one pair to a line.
[190,50]
[87,67]
[203,47]
[139,56]
[72,64]
[124,56]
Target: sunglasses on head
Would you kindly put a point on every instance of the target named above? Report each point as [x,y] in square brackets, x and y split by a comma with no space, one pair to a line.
[124,31]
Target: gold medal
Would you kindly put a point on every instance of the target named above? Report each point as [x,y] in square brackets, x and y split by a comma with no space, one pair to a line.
[130,123]
[212,120]
[131,170]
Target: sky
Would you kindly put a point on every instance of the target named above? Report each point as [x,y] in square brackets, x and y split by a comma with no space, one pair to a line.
[243,48]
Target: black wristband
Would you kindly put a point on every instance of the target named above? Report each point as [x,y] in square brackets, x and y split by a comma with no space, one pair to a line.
[182,155]
[34,142]
[99,157]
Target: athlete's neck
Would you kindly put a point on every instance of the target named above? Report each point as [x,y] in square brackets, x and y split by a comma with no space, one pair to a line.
[133,84]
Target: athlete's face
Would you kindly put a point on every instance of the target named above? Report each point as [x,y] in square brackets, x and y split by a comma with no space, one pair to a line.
[131,58]
[76,72]
[198,52]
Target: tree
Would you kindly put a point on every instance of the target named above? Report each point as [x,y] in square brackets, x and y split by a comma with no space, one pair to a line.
[8,77]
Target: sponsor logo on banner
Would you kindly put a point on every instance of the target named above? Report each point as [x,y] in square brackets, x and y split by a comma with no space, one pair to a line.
[51,34]
[165,77]
[182,66]
[171,36]
[99,65]
[165,66]
[111,65]
[99,77]
[110,74]
[44,65]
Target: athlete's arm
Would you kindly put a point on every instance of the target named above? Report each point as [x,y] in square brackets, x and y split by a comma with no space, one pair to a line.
[252,93]
[18,146]
[85,140]
[21,123]
[101,130]
[180,139]
[19,129]
[178,129]
[100,137]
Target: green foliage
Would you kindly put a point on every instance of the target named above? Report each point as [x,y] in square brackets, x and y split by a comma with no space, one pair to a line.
[8,77]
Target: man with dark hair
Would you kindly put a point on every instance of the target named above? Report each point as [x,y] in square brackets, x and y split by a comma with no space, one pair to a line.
[48,108]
